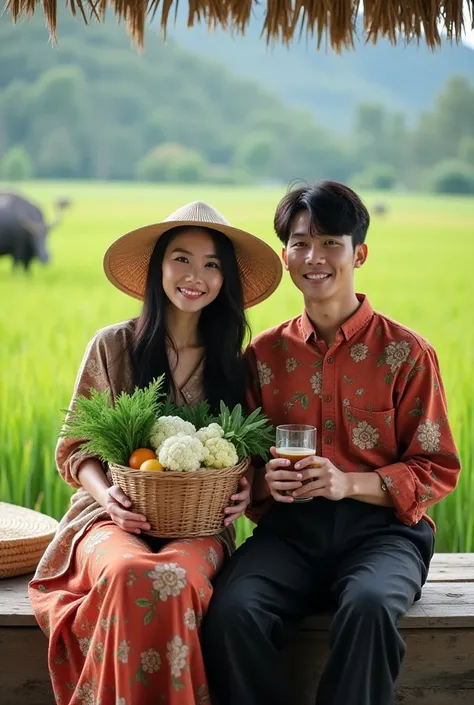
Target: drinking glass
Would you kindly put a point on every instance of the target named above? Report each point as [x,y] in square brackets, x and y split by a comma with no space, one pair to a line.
[295,442]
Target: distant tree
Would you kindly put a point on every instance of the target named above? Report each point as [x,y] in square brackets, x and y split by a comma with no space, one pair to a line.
[369,129]
[423,141]
[310,152]
[58,155]
[255,154]
[121,103]
[62,118]
[439,132]
[110,107]
[466,150]
[16,165]
[370,119]
[454,111]
[116,106]
[188,167]
[190,120]
[376,176]
[269,122]
[452,176]
[225,175]
[116,153]
[380,137]
[61,92]
[396,148]
[171,162]
[15,113]
[154,165]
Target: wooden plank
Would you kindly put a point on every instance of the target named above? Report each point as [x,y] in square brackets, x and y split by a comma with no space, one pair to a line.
[439,632]
[437,669]
[439,659]
[429,696]
[24,667]
[452,567]
[441,602]
[15,607]
[442,605]
[448,593]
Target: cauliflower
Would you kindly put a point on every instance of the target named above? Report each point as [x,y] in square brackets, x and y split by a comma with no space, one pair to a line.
[221,453]
[167,426]
[211,431]
[182,453]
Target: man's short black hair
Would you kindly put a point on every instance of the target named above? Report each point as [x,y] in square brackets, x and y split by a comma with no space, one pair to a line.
[334,209]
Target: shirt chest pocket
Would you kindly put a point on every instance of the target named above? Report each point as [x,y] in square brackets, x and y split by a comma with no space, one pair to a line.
[369,437]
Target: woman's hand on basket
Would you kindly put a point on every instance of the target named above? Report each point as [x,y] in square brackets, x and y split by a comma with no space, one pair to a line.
[116,503]
[242,501]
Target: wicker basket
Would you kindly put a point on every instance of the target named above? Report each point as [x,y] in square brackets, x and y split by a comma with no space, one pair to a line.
[180,504]
[24,536]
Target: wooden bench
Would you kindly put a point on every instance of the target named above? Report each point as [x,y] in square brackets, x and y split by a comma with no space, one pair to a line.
[439,632]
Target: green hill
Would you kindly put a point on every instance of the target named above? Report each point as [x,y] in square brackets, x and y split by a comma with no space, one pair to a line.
[93,107]
[225,110]
[403,78]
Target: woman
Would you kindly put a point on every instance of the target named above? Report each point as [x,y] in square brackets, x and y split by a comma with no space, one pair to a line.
[122,611]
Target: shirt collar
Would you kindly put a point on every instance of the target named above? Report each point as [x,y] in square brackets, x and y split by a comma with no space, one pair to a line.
[349,328]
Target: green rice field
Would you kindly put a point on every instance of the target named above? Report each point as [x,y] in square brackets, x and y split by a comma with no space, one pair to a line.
[419,271]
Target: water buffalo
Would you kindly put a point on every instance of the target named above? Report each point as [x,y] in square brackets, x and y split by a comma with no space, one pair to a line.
[23,230]
[380,208]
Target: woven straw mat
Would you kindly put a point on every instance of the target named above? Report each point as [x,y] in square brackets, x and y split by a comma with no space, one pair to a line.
[24,536]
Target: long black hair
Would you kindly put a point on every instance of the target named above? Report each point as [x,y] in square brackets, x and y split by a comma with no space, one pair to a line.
[222,329]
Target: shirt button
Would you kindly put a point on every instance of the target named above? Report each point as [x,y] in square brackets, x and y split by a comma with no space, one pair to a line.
[330,359]
[328,439]
[328,397]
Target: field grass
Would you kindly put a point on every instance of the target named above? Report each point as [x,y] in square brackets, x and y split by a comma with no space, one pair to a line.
[419,271]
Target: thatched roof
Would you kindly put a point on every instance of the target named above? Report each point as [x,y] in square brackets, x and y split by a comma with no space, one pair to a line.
[285,20]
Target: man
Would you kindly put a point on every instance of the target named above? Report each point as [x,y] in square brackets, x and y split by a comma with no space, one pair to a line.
[385,454]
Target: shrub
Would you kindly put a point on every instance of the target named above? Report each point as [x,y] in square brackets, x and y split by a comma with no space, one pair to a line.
[452,176]
[376,176]
[16,165]
[172,162]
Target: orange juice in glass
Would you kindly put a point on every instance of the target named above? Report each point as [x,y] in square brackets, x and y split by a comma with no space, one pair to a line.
[295,442]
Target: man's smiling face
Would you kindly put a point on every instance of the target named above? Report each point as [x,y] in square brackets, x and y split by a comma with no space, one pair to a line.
[321,266]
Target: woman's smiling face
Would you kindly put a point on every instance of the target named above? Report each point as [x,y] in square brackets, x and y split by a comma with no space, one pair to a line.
[192,271]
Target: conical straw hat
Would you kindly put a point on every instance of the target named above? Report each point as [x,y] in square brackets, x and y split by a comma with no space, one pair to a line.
[127,260]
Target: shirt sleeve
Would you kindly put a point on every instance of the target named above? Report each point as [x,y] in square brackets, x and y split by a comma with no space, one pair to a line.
[429,465]
[253,391]
[92,373]
[254,401]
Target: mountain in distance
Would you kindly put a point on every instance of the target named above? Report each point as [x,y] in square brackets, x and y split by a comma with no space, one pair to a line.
[405,78]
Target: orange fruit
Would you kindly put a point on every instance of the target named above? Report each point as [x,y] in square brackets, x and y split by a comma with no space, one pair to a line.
[139,456]
[152,464]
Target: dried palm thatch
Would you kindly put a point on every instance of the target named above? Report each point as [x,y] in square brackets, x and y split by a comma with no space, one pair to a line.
[285,20]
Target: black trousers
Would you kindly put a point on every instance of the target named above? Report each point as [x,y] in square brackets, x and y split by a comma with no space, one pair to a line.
[357,558]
